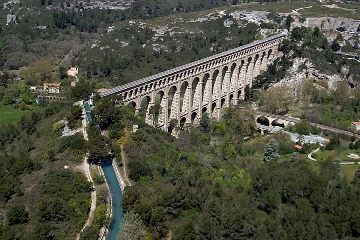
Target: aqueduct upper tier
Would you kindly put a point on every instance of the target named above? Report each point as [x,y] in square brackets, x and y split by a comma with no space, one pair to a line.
[204,86]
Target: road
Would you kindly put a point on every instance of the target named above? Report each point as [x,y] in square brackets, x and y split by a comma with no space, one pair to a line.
[294,136]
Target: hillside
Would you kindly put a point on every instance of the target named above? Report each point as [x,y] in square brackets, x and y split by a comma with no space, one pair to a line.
[217,180]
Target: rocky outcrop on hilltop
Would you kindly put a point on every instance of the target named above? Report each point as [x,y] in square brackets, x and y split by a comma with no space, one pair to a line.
[330,23]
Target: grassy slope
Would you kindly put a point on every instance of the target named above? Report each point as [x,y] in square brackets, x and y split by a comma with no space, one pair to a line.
[11,115]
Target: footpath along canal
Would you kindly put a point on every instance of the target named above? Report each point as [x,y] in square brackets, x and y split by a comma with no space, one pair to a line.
[114,186]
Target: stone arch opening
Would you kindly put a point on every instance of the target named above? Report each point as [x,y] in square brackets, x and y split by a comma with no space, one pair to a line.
[215,75]
[171,94]
[125,96]
[239,94]
[263,121]
[144,105]
[183,88]
[205,79]
[194,86]
[213,106]
[193,117]
[203,110]
[156,108]
[132,106]
[277,123]
[182,122]
[269,53]
[231,97]
[222,103]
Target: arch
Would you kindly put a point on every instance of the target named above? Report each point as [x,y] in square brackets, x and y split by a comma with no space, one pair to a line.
[183,88]
[193,117]
[144,105]
[263,120]
[171,94]
[125,96]
[231,97]
[182,122]
[276,123]
[194,86]
[132,106]
[222,102]
[203,110]
[213,106]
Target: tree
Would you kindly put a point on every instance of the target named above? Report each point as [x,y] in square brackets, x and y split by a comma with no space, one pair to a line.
[17,214]
[248,92]
[155,110]
[106,113]
[62,72]
[294,157]
[276,99]
[342,94]
[335,46]
[289,21]
[74,115]
[271,151]
[132,227]
[205,123]
[334,143]
[337,162]
[303,127]
[357,144]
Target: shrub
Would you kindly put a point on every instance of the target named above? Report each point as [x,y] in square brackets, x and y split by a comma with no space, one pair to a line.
[59,126]
[138,169]
[17,214]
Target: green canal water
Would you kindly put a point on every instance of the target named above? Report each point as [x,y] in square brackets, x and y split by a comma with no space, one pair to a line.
[117,212]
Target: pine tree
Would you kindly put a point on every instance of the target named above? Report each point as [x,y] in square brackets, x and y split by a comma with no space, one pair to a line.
[271,151]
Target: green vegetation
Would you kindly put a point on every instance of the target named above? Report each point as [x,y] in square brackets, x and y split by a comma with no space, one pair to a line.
[214,185]
[39,198]
[11,115]
[218,180]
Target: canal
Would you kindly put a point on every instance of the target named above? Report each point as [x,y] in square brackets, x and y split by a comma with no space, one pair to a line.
[116,194]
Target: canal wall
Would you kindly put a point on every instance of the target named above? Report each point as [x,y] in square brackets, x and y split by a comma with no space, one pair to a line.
[119,178]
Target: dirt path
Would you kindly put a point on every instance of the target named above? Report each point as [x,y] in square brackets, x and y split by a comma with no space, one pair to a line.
[310,157]
[85,167]
[296,10]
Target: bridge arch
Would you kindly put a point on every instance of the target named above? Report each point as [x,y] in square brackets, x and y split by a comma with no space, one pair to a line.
[263,120]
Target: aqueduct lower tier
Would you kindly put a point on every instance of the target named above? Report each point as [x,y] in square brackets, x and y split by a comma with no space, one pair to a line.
[204,86]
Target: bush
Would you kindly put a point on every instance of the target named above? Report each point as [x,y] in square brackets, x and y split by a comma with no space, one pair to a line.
[89,233]
[59,126]
[138,169]
[17,214]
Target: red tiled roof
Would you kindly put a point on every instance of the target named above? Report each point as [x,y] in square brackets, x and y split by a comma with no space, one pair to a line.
[100,90]
[52,84]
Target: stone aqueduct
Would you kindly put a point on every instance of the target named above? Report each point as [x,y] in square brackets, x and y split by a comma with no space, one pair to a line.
[204,86]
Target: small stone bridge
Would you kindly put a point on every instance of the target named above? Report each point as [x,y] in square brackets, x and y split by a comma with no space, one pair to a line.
[264,120]
[205,86]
